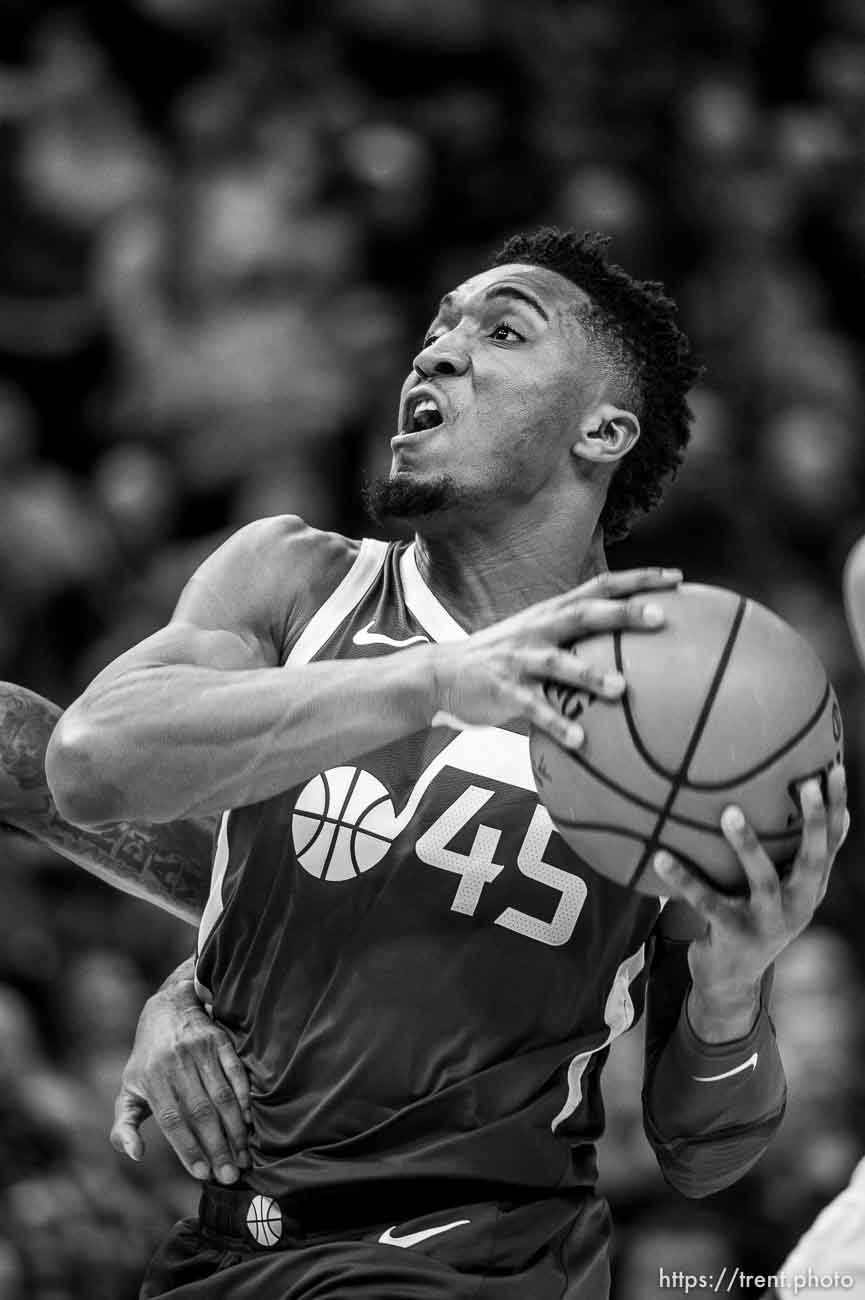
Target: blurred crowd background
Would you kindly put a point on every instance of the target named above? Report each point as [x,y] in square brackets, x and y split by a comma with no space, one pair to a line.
[223,224]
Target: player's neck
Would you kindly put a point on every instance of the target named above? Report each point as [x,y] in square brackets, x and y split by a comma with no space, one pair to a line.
[481,580]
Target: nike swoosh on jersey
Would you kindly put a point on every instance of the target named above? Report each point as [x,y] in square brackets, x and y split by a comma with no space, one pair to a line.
[415,1238]
[750,1064]
[367,637]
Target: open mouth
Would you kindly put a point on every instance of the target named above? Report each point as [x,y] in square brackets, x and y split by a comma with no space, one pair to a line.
[422,412]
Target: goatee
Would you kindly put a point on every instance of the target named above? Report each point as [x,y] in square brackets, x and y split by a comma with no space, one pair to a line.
[407,498]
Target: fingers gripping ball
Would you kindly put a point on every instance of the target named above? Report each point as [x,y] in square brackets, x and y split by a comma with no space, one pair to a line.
[727,704]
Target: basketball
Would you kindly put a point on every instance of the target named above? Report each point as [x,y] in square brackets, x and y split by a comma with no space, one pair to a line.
[726,704]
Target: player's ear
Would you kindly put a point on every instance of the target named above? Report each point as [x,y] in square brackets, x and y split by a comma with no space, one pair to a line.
[606,434]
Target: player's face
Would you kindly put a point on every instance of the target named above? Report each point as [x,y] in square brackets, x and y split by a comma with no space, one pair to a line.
[498,388]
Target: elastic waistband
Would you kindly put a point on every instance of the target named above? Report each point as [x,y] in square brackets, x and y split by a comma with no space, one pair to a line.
[271,1222]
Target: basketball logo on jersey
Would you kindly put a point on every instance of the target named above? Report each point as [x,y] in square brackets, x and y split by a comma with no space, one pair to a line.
[343,823]
[264,1220]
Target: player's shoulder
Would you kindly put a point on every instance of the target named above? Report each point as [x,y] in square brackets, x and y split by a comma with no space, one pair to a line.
[269,577]
[288,539]
[282,549]
[302,567]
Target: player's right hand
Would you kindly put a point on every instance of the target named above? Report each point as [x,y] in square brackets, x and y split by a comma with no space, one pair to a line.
[500,673]
[184,1071]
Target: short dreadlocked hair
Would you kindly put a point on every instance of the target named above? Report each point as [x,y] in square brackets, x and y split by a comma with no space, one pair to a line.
[632,325]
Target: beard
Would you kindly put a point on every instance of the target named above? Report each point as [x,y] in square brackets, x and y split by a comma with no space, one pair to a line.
[404,498]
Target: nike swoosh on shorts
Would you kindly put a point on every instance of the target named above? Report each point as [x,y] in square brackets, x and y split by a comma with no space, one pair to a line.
[367,637]
[750,1064]
[415,1238]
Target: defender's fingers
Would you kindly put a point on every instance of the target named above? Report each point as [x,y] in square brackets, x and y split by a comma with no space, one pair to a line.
[566,667]
[201,1120]
[180,1117]
[236,1075]
[763,882]
[222,1095]
[130,1112]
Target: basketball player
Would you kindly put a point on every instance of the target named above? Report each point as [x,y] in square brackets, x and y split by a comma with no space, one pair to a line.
[420,978]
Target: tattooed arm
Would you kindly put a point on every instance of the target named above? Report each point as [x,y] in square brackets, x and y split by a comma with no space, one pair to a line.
[168,865]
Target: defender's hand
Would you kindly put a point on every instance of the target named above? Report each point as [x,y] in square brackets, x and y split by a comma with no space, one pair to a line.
[184,1071]
[500,673]
[744,935]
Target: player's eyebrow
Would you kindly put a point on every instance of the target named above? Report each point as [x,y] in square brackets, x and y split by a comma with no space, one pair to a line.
[511,291]
[501,291]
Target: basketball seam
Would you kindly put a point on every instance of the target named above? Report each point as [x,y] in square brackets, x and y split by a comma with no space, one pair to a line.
[613,785]
[658,767]
[772,758]
[690,823]
[677,778]
[636,738]
[626,833]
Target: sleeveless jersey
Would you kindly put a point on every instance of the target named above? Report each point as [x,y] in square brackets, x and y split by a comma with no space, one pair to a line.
[419,975]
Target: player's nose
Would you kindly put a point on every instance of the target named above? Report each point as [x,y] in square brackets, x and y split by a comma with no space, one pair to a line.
[443,357]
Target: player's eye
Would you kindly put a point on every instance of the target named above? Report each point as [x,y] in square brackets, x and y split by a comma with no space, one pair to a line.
[503,332]
[430,340]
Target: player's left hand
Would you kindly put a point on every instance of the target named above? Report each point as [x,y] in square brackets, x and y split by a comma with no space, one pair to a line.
[744,934]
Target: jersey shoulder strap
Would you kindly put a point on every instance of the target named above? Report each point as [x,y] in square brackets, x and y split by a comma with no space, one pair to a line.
[349,592]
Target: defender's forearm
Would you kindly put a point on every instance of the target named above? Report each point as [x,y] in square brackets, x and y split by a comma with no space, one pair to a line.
[163,742]
[168,866]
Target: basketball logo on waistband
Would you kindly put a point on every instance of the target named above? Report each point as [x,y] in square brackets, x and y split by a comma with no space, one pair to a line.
[264,1220]
[343,823]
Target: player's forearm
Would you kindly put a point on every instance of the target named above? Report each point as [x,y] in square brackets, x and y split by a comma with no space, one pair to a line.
[168,866]
[172,741]
[710,1110]
[710,1106]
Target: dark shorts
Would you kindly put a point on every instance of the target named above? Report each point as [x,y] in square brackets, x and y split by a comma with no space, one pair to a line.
[549,1249]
